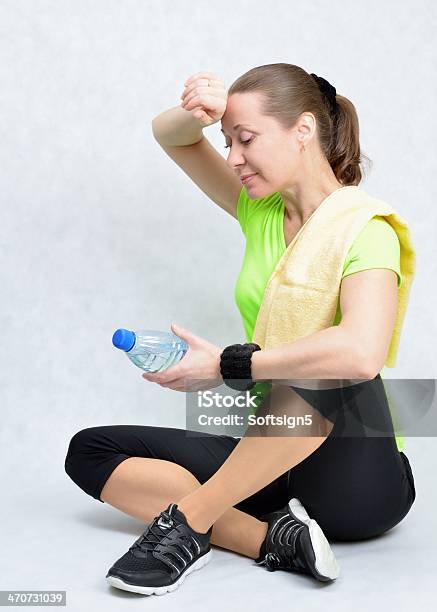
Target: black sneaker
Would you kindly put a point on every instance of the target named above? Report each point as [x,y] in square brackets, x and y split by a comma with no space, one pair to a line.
[296,543]
[162,557]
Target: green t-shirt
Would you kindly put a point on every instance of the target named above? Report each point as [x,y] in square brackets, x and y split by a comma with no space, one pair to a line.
[262,222]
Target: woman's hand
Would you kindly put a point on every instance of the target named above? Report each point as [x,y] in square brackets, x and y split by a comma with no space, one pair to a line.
[207,103]
[201,362]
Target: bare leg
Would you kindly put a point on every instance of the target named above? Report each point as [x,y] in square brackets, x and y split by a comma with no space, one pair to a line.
[143,487]
[257,461]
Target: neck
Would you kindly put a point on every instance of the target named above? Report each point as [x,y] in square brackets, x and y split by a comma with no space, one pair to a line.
[305,196]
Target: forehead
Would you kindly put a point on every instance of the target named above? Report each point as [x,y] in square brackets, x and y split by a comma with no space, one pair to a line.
[242,110]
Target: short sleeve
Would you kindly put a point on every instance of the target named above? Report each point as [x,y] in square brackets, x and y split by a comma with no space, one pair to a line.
[376,246]
[242,209]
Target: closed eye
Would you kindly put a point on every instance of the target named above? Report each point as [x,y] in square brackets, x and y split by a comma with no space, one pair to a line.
[244,142]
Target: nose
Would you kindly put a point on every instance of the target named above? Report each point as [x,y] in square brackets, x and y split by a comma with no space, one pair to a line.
[235,159]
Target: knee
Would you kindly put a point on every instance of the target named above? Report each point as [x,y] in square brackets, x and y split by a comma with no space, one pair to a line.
[80,442]
[81,447]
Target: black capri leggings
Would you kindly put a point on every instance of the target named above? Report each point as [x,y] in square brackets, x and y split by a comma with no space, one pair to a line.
[355,487]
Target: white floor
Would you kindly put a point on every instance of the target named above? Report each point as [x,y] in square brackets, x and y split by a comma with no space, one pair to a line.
[56,537]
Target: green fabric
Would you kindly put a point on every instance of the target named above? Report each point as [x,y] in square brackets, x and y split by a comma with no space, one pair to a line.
[262,222]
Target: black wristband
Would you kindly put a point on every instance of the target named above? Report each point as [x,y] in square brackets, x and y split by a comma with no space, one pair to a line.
[235,365]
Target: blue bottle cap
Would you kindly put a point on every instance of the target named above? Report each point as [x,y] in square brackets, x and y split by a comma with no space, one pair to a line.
[123,339]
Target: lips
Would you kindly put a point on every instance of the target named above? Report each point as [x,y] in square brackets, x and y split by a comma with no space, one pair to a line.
[245,178]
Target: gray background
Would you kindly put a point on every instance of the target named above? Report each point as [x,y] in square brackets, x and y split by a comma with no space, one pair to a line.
[100,230]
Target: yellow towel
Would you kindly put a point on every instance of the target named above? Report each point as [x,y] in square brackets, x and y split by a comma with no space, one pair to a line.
[302,293]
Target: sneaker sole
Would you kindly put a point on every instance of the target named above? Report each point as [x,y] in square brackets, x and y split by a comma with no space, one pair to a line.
[318,552]
[159,590]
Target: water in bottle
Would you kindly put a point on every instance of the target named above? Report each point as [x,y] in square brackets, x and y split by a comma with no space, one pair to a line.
[150,350]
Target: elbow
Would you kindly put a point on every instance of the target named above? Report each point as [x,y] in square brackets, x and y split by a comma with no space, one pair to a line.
[158,128]
[366,367]
[155,129]
[363,362]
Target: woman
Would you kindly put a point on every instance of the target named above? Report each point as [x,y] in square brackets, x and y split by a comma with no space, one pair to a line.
[293,144]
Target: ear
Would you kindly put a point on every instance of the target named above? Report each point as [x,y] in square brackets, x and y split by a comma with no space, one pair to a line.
[306,128]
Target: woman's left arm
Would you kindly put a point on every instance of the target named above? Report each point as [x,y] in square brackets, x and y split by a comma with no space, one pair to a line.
[355,349]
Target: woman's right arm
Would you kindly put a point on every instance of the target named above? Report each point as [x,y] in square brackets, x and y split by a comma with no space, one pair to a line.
[179,131]
[177,127]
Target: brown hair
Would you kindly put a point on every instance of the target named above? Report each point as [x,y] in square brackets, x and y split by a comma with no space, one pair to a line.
[288,92]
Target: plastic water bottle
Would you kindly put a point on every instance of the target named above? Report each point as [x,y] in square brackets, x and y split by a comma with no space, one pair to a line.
[150,350]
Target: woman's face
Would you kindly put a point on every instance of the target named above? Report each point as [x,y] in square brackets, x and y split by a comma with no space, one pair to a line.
[260,146]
